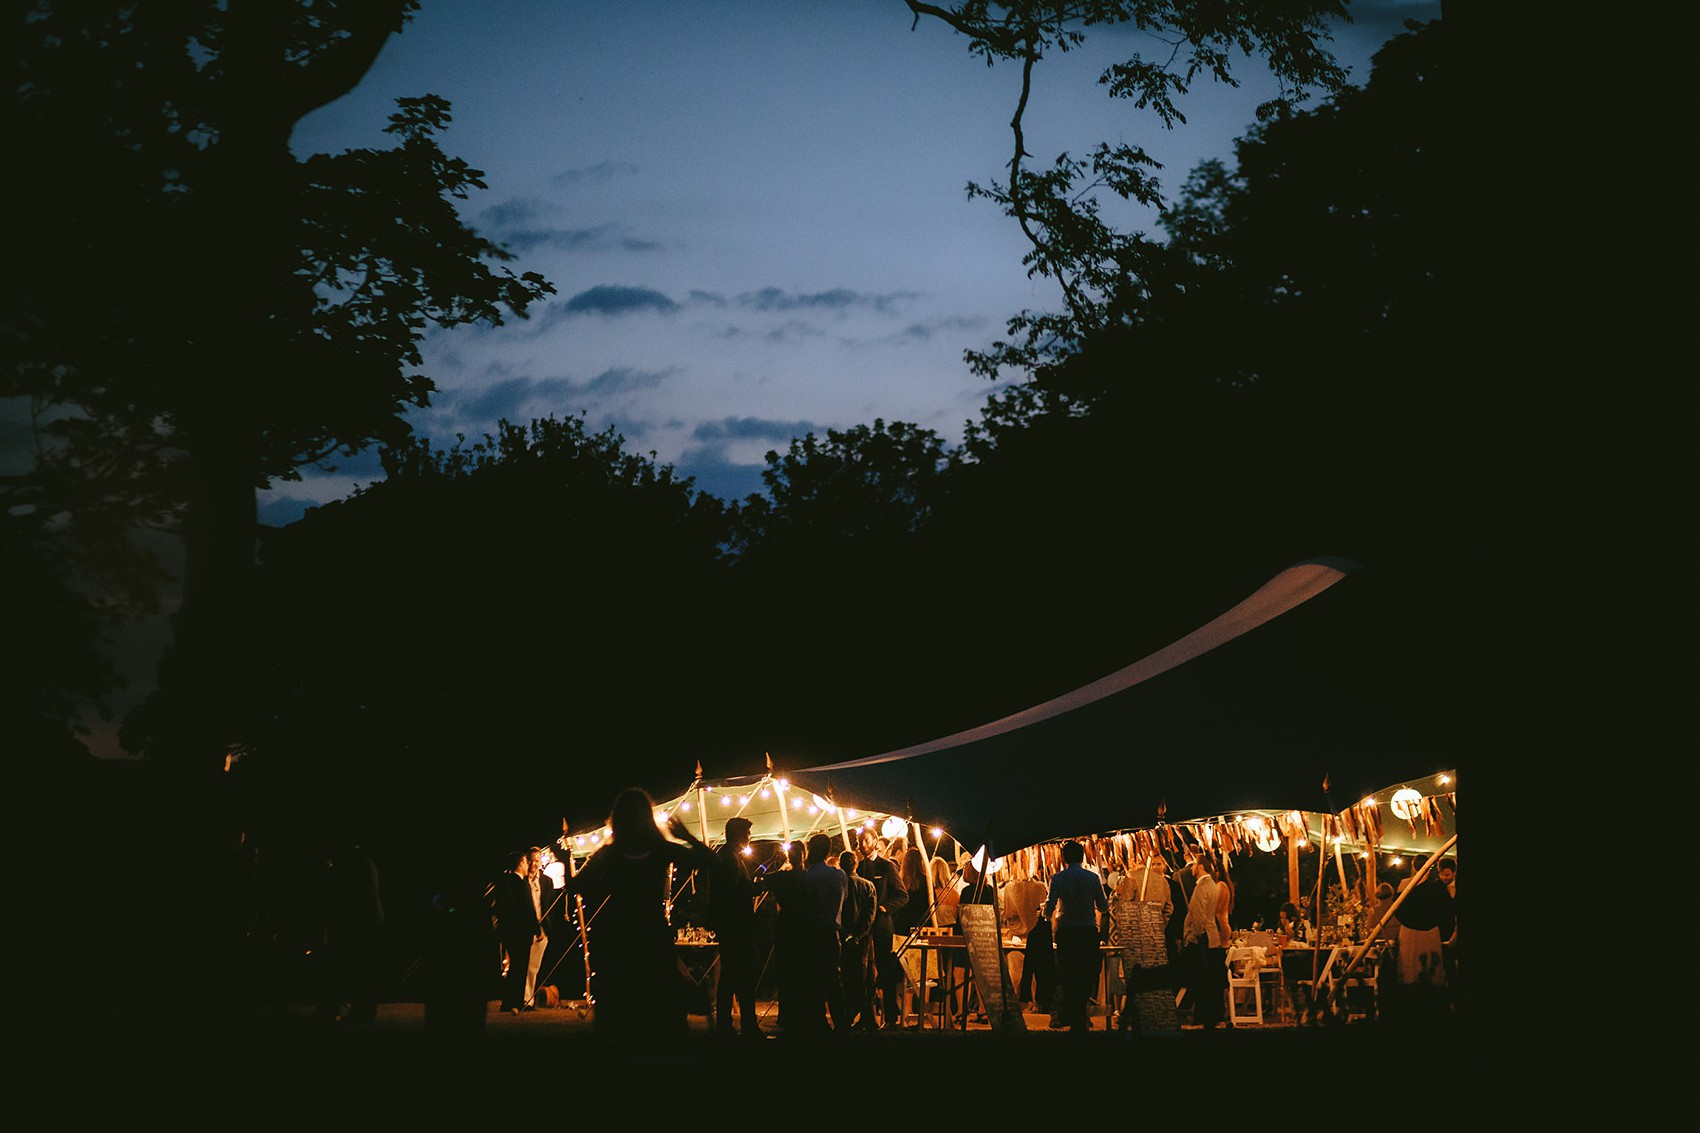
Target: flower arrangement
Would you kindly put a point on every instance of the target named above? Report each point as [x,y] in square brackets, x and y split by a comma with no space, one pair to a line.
[1345,912]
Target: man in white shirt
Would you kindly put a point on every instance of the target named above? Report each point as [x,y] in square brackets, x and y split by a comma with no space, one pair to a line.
[1205,950]
[540,943]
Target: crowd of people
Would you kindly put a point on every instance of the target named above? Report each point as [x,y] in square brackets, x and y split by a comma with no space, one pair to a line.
[835,926]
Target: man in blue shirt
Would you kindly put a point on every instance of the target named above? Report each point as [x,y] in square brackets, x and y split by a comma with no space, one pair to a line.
[1079,894]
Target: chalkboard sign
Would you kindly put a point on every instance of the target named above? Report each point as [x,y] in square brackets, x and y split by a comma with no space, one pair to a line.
[979,924]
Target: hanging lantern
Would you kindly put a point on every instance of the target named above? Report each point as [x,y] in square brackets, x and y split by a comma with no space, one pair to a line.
[821,803]
[893,826]
[1406,803]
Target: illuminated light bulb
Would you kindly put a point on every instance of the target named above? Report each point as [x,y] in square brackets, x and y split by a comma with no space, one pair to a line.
[685,806]
[725,800]
[938,832]
[748,850]
[1339,838]
[1369,802]
[868,824]
[661,816]
[813,809]
[580,840]
[596,837]
[823,804]
[1304,843]
[782,784]
[765,792]
[1363,854]
[785,846]
[1445,779]
[743,800]
[797,802]
[607,832]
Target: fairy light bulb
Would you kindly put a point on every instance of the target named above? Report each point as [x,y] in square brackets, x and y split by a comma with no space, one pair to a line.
[685,807]
[783,784]
[938,832]
[725,800]
[744,800]
[765,793]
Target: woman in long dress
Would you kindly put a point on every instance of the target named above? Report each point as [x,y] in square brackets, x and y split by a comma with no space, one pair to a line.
[635,980]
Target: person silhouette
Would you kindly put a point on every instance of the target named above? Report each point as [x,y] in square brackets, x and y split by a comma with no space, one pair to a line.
[732,917]
[635,969]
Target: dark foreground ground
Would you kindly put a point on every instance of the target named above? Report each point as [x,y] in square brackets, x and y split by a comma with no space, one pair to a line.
[284,1069]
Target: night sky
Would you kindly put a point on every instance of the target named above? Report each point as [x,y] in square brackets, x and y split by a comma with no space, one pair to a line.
[754,212]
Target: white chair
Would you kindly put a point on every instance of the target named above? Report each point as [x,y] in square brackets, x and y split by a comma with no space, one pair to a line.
[1244,984]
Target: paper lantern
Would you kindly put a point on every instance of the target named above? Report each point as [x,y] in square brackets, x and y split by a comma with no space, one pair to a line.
[893,826]
[1406,803]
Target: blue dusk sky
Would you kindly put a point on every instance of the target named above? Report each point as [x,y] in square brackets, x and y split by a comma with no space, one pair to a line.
[754,212]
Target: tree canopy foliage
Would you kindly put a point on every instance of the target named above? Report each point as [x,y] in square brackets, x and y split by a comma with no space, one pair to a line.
[256,313]
[1058,209]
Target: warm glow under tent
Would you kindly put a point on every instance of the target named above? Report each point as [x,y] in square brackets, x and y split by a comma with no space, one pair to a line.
[778,810]
[1223,721]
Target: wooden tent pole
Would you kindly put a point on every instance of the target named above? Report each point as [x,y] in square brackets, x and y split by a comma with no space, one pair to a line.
[1339,984]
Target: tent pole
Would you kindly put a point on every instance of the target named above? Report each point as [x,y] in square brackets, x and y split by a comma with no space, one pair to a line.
[583,927]
[784,816]
[1338,984]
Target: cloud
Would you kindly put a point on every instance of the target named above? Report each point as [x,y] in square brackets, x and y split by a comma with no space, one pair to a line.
[774,299]
[792,330]
[506,398]
[712,298]
[516,211]
[609,299]
[709,461]
[601,171]
[750,428]
[522,224]
[606,237]
[713,473]
[519,399]
[623,379]
[924,331]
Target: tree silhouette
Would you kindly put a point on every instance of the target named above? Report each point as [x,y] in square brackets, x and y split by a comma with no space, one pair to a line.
[1058,209]
[260,313]
[497,629]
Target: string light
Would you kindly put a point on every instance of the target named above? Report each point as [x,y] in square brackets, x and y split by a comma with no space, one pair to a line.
[744,800]
[725,800]
[783,784]
[765,792]
[851,815]
[938,832]
[685,806]
[1445,779]
[813,809]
